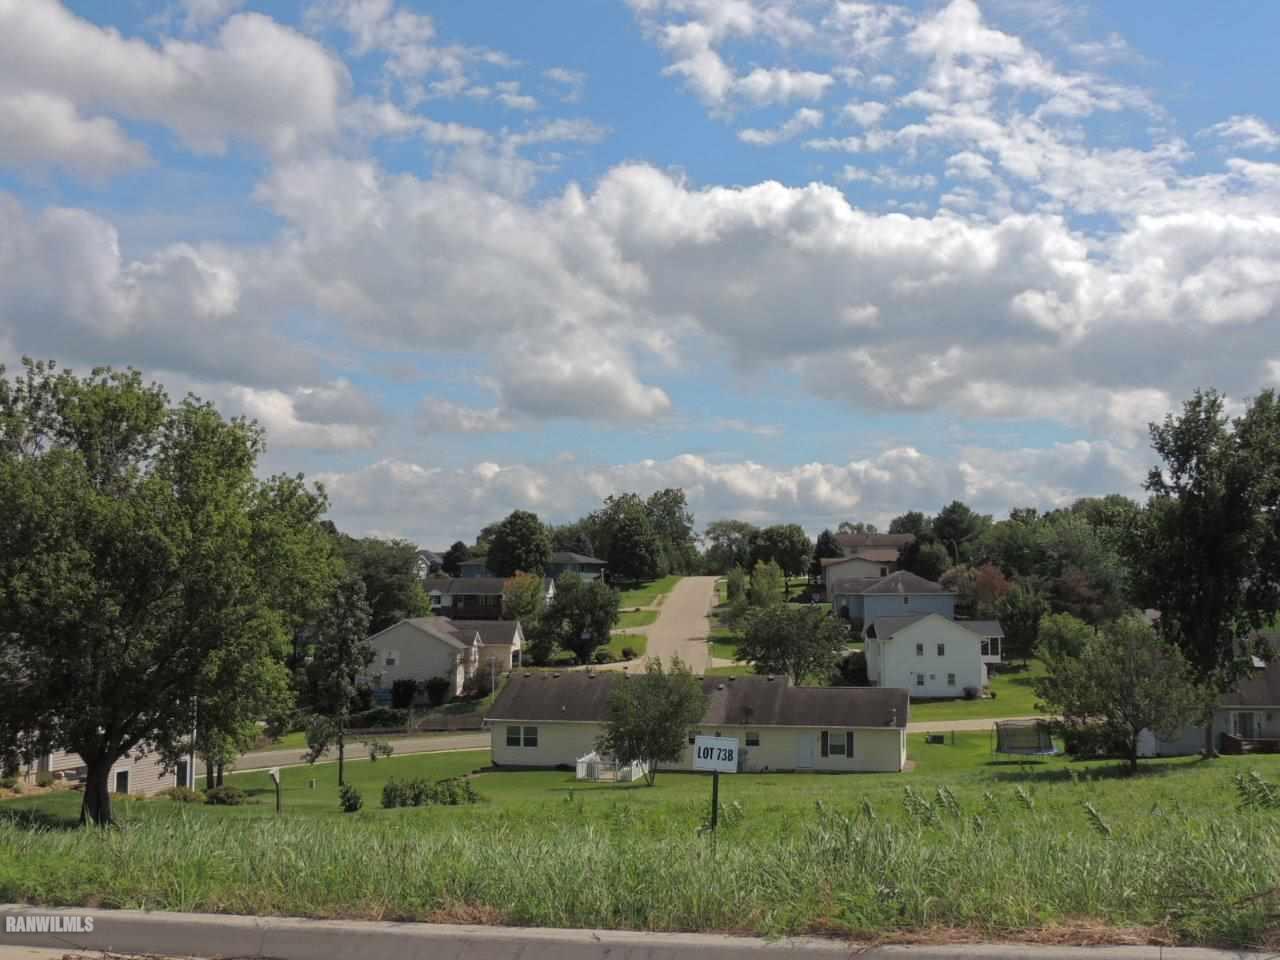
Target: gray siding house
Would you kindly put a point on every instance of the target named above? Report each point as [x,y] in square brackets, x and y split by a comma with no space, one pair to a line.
[867,599]
[563,561]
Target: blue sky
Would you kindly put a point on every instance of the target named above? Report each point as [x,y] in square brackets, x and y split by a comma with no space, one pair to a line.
[813,260]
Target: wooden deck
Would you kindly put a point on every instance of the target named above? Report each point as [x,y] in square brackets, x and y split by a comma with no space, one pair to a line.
[1235,746]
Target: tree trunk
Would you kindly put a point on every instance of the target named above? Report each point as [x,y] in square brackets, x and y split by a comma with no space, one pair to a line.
[1210,750]
[220,774]
[1133,756]
[209,782]
[95,807]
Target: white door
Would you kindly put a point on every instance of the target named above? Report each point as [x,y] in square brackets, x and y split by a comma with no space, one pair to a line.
[806,751]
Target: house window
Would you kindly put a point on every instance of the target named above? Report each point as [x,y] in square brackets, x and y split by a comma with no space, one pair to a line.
[122,781]
[951,679]
[513,736]
[753,739]
[919,679]
[991,646]
[393,657]
[837,744]
[942,649]
[436,600]
[530,736]
[919,649]
[884,571]
[691,739]
[906,600]
[1245,726]
[848,743]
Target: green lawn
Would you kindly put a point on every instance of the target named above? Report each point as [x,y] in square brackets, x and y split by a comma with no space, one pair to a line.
[989,846]
[636,641]
[724,645]
[636,618]
[647,593]
[1014,698]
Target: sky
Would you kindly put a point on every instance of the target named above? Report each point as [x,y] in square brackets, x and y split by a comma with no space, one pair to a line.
[810,260]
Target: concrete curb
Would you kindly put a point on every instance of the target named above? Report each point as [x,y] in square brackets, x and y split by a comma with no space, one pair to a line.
[287,938]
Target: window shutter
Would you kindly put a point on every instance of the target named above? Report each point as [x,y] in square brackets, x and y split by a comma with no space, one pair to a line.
[826,744]
[848,743]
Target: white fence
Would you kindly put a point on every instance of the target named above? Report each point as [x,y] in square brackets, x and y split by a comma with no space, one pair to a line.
[595,767]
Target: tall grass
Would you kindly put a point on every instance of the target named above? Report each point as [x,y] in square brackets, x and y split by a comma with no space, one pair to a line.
[996,861]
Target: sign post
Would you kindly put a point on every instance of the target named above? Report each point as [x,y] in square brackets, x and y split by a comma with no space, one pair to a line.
[719,755]
[275,778]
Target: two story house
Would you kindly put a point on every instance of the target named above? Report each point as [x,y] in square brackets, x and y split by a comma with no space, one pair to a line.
[930,655]
[864,599]
[424,647]
[471,598]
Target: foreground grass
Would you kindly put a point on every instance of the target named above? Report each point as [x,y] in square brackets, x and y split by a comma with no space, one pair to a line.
[647,593]
[1006,848]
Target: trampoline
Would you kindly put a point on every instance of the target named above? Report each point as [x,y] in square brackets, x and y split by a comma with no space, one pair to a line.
[1026,738]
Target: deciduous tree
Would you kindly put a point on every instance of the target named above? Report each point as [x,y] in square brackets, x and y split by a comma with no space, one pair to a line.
[797,641]
[581,615]
[389,571]
[633,544]
[520,544]
[768,585]
[340,659]
[728,545]
[524,598]
[452,560]
[652,716]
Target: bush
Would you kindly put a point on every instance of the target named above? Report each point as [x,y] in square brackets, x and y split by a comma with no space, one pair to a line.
[603,655]
[8,783]
[629,653]
[438,690]
[183,795]
[44,779]
[1091,743]
[350,799]
[419,793]
[394,794]
[971,693]
[851,671]
[224,796]
[379,717]
[363,698]
[402,693]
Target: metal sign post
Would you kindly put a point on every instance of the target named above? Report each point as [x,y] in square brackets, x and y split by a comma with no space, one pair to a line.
[275,778]
[718,755]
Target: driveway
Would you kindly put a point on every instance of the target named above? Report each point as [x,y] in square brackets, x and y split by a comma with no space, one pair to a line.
[682,626]
[262,759]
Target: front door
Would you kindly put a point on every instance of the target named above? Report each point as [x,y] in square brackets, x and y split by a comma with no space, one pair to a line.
[1246,726]
[806,751]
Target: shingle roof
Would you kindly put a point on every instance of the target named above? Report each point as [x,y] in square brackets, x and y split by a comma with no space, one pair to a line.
[888,626]
[852,541]
[903,582]
[577,696]
[466,586]
[854,585]
[566,556]
[495,631]
[441,628]
[876,554]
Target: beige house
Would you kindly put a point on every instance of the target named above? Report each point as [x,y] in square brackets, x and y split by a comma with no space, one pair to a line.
[865,563]
[139,777]
[424,647]
[552,719]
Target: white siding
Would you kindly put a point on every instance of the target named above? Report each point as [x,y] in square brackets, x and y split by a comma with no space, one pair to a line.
[418,656]
[145,776]
[901,665]
[880,749]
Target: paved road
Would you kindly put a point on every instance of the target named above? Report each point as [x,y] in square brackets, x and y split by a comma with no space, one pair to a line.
[682,626]
[261,759]
[283,938]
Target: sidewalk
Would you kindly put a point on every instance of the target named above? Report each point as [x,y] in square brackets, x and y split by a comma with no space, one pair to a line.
[175,934]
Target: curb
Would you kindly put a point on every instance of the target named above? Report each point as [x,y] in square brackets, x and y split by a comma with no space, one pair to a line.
[287,938]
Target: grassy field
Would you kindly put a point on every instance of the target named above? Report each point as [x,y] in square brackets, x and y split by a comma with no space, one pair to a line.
[636,641]
[636,618]
[966,842]
[1014,698]
[647,593]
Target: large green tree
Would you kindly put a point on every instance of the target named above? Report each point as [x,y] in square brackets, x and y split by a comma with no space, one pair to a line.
[520,544]
[652,716]
[957,526]
[925,557]
[144,570]
[800,641]
[1206,550]
[524,597]
[672,522]
[339,661]
[1021,610]
[786,544]
[913,522]
[634,548]
[389,570]
[768,584]
[728,545]
[451,562]
[1124,681]
[581,615]
[824,548]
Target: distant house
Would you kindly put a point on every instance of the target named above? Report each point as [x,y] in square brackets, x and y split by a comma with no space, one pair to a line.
[474,568]
[552,719]
[931,655]
[429,563]
[472,598]
[865,599]
[141,777]
[424,647]
[563,561]
[1245,720]
[853,543]
[864,564]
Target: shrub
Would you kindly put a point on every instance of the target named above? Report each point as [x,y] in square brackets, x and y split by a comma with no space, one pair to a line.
[971,693]
[437,690]
[44,779]
[851,671]
[419,792]
[224,796]
[402,693]
[394,794]
[16,788]
[378,717]
[378,748]
[629,653]
[184,795]
[8,783]
[603,655]
[350,799]
[363,698]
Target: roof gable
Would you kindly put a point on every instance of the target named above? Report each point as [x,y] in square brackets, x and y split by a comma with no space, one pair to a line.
[933,624]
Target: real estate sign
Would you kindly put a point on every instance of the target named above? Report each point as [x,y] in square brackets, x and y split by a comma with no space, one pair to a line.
[715,753]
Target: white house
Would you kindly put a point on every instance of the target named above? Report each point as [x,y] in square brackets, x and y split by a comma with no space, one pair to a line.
[551,719]
[424,647]
[931,655]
